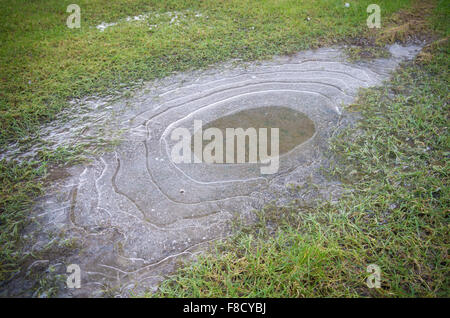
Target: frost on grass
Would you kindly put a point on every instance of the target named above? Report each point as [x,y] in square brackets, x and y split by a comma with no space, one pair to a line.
[155,19]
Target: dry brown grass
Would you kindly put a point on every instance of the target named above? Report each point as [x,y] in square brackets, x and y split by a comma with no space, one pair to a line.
[407,24]
[426,54]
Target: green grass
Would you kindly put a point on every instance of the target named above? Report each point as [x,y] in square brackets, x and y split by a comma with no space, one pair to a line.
[44,64]
[20,184]
[395,213]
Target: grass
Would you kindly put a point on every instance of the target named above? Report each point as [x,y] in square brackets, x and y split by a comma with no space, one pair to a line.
[357,53]
[44,65]
[395,213]
[20,184]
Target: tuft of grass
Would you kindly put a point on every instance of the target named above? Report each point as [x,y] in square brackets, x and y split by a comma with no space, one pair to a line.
[395,213]
[406,25]
[356,53]
[409,24]
[20,184]
[18,189]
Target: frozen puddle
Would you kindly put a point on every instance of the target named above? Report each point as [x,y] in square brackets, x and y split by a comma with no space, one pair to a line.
[135,213]
[294,129]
